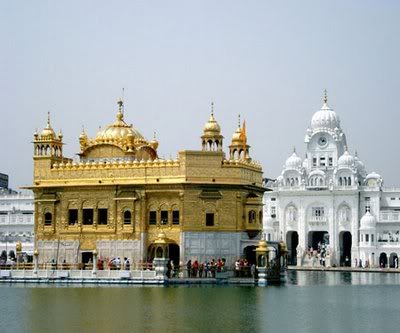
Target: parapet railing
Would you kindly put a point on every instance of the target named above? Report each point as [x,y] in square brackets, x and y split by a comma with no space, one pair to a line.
[139,271]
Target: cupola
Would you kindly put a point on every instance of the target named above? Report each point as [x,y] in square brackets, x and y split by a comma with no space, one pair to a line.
[368,221]
[293,162]
[239,149]
[346,161]
[47,143]
[212,140]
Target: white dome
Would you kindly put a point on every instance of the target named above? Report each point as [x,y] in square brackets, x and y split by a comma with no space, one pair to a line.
[325,118]
[346,160]
[368,221]
[317,172]
[373,175]
[359,164]
[293,162]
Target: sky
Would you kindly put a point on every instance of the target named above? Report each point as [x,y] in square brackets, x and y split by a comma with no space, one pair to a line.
[269,61]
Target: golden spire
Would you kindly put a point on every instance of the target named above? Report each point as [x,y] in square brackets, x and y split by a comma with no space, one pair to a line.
[212,109]
[239,120]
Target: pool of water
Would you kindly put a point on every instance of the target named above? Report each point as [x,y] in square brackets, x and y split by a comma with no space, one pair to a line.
[308,302]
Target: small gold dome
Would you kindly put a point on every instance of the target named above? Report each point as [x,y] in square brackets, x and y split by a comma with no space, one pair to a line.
[154,144]
[83,135]
[48,130]
[236,137]
[212,125]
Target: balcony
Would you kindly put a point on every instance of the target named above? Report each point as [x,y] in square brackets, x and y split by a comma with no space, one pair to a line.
[389,217]
[317,220]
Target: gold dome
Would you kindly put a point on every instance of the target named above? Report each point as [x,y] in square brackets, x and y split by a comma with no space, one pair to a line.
[119,130]
[212,125]
[48,130]
[236,137]
[154,143]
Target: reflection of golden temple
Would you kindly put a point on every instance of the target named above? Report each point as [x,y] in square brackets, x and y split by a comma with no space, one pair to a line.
[123,200]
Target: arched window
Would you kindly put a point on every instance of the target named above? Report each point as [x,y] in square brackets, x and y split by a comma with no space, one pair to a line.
[340,181]
[252,216]
[260,217]
[127,217]
[48,218]
[349,181]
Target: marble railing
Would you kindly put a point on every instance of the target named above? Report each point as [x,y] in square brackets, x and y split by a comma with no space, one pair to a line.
[389,217]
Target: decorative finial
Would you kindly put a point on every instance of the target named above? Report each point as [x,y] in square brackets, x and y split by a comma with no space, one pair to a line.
[239,120]
[294,149]
[356,153]
[154,135]
[212,109]
[325,96]
[345,148]
[120,104]
[48,119]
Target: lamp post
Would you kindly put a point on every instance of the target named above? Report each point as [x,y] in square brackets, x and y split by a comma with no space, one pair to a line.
[94,269]
[36,263]
[6,234]
[262,262]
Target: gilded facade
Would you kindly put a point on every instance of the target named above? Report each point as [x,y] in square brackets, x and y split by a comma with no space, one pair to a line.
[121,195]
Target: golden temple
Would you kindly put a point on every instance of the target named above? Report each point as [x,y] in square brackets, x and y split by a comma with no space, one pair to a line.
[120,195]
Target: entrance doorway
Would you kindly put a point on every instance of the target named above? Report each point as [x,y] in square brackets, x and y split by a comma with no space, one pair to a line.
[86,257]
[250,254]
[292,240]
[393,260]
[318,238]
[345,241]
[383,260]
[174,254]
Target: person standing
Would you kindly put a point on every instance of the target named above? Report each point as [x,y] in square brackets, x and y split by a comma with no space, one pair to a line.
[189,268]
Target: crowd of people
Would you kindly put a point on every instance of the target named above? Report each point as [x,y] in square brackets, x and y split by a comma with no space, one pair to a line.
[244,269]
[204,269]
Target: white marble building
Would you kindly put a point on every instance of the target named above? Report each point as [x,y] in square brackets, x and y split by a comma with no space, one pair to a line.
[16,221]
[329,198]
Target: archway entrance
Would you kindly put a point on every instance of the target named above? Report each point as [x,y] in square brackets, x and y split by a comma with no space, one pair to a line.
[87,258]
[292,240]
[393,260]
[345,241]
[174,254]
[383,260]
[250,254]
[317,239]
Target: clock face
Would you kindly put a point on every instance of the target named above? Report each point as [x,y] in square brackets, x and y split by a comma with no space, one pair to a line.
[322,141]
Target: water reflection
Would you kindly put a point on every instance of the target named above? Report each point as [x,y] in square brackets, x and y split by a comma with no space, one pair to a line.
[310,278]
[308,302]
